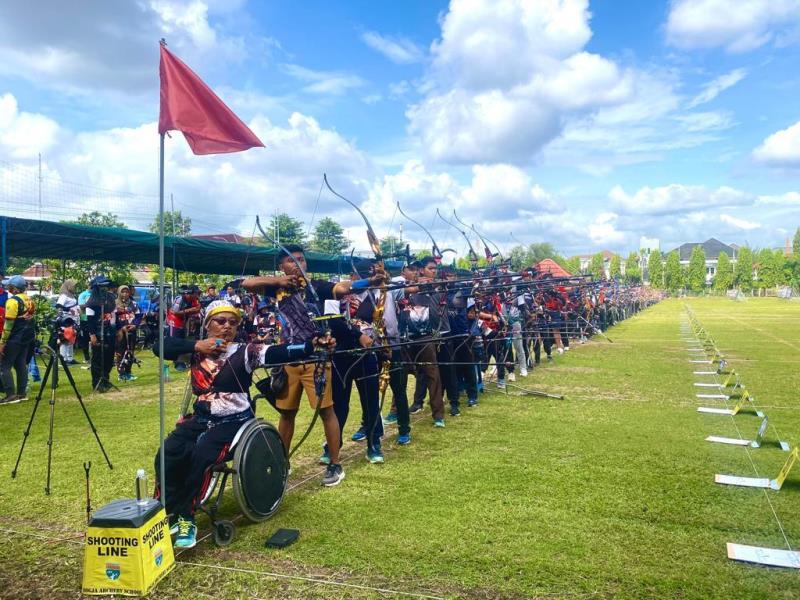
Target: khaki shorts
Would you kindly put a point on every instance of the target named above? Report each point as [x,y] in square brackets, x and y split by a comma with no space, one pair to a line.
[299,378]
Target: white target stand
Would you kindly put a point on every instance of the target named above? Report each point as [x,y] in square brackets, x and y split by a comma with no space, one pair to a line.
[761,482]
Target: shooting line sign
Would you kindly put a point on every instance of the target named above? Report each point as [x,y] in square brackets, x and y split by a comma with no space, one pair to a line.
[128,549]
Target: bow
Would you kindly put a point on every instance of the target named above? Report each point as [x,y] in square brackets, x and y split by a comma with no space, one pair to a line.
[378,321]
[473,257]
[489,254]
[437,254]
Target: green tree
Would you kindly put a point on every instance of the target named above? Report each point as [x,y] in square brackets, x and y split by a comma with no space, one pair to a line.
[573,265]
[596,266]
[673,276]
[285,230]
[723,279]
[633,273]
[743,273]
[767,268]
[696,279]
[391,244]
[175,224]
[796,243]
[329,237]
[779,259]
[82,271]
[615,268]
[655,270]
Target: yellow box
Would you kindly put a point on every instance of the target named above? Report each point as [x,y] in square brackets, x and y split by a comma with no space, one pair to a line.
[128,549]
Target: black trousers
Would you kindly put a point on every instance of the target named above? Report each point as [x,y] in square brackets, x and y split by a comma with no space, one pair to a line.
[398,382]
[189,454]
[15,358]
[544,338]
[102,361]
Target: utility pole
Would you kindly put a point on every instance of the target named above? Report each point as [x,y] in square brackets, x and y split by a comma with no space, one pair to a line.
[40,185]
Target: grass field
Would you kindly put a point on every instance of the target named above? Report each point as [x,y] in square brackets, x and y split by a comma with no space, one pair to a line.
[608,493]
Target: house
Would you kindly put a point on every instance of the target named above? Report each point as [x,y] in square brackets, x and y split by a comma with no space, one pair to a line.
[711,249]
[548,265]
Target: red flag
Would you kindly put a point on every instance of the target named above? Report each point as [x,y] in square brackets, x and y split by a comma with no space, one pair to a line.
[189,105]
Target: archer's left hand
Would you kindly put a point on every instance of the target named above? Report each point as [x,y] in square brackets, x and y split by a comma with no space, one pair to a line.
[325,342]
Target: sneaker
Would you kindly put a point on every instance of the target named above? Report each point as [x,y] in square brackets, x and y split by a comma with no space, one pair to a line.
[325,458]
[414,409]
[359,436]
[334,475]
[187,533]
[549,358]
[454,411]
[73,362]
[375,456]
[438,422]
[523,373]
[560,351]
[566,348]
[12,399]
[472,402]
[173,525]
[501,385]
[21,398]
[404,440]
[390,419]
[132,377]
[481,389]
[512,377]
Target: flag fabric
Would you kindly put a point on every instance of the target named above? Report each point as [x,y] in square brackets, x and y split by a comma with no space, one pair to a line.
[189,105]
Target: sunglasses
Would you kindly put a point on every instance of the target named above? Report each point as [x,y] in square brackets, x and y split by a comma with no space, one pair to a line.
[232,321]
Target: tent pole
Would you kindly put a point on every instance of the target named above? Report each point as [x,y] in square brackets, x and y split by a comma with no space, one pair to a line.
[161,300]
[3,258]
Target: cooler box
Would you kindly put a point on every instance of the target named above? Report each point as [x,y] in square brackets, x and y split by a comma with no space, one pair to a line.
[128,548]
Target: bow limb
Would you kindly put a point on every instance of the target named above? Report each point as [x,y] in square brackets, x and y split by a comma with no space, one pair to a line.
[437,254]
[297,264]
[485,239]
[473,256]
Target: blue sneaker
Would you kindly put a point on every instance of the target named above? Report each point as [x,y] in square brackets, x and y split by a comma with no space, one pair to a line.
[472,402]
[390,419]
[404,440]
[359,436]
[501,385]
[454,411]
[325,459]
[187,533]
[375,456]
[438,422]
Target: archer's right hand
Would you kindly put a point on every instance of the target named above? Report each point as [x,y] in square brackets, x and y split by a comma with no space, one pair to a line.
[210,346]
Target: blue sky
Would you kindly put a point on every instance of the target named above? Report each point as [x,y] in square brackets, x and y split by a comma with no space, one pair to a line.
[586,124]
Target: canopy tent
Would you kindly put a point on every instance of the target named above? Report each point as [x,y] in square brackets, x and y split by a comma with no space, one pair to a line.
[45,239]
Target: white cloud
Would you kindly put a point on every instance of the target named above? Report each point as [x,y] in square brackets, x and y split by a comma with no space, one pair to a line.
[787,199]
[739,223]
[676,198]
[738,26]
[333,83]
[716,86]
[399,50]
[603,231]
[781,149]
[511,80]
[23,134]
[97,45]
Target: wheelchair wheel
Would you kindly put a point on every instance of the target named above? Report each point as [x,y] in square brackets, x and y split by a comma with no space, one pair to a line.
[224,532]
[260,471]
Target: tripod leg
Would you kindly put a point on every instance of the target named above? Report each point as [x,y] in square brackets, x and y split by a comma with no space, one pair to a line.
[33,414]
[53,387]
[85,412]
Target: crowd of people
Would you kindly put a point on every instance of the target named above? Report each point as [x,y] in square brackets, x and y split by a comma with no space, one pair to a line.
[454,331]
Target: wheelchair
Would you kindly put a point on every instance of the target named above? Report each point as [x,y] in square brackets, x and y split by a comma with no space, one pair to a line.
[258,469]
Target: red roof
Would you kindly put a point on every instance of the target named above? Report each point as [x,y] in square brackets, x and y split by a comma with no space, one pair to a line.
[548,265]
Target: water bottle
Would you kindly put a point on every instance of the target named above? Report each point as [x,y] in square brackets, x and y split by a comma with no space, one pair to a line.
[141,487]
[166,373]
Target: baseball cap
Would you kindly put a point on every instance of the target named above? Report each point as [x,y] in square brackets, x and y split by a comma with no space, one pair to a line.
[17,281]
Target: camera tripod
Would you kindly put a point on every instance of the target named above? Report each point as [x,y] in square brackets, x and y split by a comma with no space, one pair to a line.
[51,373]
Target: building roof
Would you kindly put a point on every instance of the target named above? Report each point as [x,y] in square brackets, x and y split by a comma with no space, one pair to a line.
[548,265]
[711,248]
[231,238]
[36,272]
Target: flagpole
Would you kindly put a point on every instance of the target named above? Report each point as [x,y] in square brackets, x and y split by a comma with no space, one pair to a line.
[161,299]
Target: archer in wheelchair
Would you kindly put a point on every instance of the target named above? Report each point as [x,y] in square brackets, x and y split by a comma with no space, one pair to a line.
[223,427]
